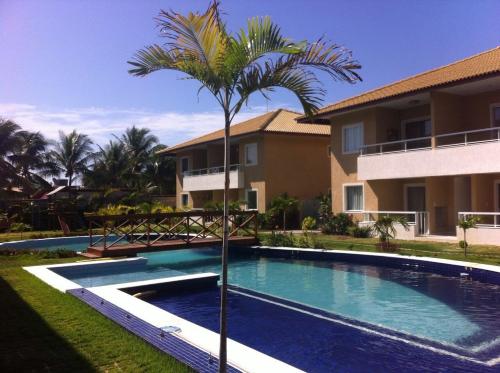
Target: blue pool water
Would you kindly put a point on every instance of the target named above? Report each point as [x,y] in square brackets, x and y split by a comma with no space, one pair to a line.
[443,309]
[307,342]
[60,243]
[447,310]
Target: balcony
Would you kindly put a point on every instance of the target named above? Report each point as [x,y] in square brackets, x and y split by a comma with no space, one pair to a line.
[459,153]
[212,179]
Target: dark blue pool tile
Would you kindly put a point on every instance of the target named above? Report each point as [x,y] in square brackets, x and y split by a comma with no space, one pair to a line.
[181,350]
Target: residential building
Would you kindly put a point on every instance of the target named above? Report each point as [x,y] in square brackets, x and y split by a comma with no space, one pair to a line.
[270,155]
[426,147]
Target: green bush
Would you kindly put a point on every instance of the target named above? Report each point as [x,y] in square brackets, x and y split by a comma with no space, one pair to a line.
[361,231]
[19,227]
[337,224]
[309,223]
[279,239]
[462,244]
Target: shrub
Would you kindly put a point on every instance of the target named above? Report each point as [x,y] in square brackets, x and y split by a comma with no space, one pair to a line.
[279,239]
[361,231]
[462,244]
[308,223]
[337,224]
[20,227]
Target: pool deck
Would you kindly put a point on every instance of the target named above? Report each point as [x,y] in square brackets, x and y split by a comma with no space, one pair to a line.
[133,249]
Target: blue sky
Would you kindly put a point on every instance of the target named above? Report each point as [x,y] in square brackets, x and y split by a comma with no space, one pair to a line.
[63,63]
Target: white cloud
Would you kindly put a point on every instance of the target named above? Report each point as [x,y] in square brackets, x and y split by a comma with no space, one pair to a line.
[101,123]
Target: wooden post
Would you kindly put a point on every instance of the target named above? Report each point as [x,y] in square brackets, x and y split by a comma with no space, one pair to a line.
[104,233]
[148,231]
[90,232]
[256,224]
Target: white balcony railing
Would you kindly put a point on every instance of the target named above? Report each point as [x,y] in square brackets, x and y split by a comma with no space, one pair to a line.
[463,138]
[211,170]
[419,219]
[212,178]
[486,219]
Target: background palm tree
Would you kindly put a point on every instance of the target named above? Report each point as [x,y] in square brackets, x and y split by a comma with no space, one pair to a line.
[111,167]
[10,141]
[234,66]
[71,155]
[139,143]
[31,160]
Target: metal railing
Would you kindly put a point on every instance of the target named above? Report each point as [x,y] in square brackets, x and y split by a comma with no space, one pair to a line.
[418,143]
[106,231]
[463,138]
[211,170]
[420,219]
[486,219]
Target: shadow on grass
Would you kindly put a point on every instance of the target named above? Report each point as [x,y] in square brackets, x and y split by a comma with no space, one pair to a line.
[28,343]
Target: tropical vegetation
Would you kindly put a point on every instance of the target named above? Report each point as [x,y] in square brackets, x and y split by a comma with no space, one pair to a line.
[233,66]
[28,160]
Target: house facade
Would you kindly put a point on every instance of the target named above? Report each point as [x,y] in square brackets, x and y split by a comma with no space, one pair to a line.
[270,155]
[426,147]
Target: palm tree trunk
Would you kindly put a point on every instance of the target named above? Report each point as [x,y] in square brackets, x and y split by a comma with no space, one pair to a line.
[225,242]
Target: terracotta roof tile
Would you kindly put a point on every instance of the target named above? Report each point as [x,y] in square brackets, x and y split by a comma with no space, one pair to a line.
[281,120]
[479,65]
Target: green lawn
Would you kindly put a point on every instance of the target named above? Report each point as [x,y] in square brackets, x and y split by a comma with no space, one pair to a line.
[45,330]
[476,253]
[17,236]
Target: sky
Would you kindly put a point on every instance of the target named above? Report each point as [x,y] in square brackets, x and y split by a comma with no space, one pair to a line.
[63,64]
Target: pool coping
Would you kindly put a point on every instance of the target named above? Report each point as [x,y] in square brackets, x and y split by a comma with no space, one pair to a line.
[198,346]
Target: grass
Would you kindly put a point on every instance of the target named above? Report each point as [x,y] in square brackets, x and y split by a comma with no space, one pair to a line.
[17,236]
[476,253]
[45,330]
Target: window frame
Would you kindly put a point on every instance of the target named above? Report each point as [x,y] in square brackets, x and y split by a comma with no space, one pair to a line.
[492,116]
[182,199]
[247,146]
[344,196]
[188,164]
[404,122]
[362,141]
[256,199]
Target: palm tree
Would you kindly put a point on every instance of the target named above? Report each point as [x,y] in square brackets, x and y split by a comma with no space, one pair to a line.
[10,142]
[160,171]
[71,155]
[466,223]
[139,144]
[385,228]
[31,160]
[284,205]
[234,66]
[111,167]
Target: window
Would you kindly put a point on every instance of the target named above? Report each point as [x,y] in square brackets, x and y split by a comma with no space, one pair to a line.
[353,197]
[495,115]
[184,164]
[352,138]
[251,154]
[416,128]
[184,199]
[251,198]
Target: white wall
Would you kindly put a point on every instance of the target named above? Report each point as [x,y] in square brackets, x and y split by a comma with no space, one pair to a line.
[212,182]
[481,236]
[459,160]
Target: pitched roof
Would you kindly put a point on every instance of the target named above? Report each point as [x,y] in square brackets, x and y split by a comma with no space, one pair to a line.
[279,121]
[478,66]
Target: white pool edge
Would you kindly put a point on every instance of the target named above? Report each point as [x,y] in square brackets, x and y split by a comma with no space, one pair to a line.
[240,356]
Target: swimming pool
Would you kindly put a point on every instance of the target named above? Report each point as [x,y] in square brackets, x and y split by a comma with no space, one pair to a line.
[448,310]
[345,310]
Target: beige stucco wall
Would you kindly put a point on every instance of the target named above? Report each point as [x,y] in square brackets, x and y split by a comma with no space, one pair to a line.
[296,164]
